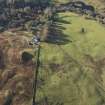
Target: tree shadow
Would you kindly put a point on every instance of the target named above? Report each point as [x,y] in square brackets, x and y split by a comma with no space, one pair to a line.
[56,33]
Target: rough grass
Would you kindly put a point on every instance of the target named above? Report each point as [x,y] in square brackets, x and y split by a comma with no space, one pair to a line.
[74,83]
[91,42]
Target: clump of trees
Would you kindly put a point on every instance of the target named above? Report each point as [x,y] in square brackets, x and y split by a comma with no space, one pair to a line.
[26,57]
[15,13]
[23,3]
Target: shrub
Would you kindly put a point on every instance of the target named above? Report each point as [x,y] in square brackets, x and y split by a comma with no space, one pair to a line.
[26,57]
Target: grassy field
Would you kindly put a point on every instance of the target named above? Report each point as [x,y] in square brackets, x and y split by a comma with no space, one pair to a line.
[71,77]
[91,42]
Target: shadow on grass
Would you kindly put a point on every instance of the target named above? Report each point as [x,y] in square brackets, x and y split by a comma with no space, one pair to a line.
[55,32]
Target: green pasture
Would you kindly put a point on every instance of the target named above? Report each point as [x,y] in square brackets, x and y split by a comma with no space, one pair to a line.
[69,78]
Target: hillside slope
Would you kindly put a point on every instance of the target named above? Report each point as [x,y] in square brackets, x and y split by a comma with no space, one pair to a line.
[75,72]
[72,63]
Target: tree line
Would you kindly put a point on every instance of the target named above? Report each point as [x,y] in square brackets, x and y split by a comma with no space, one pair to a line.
[23,3]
